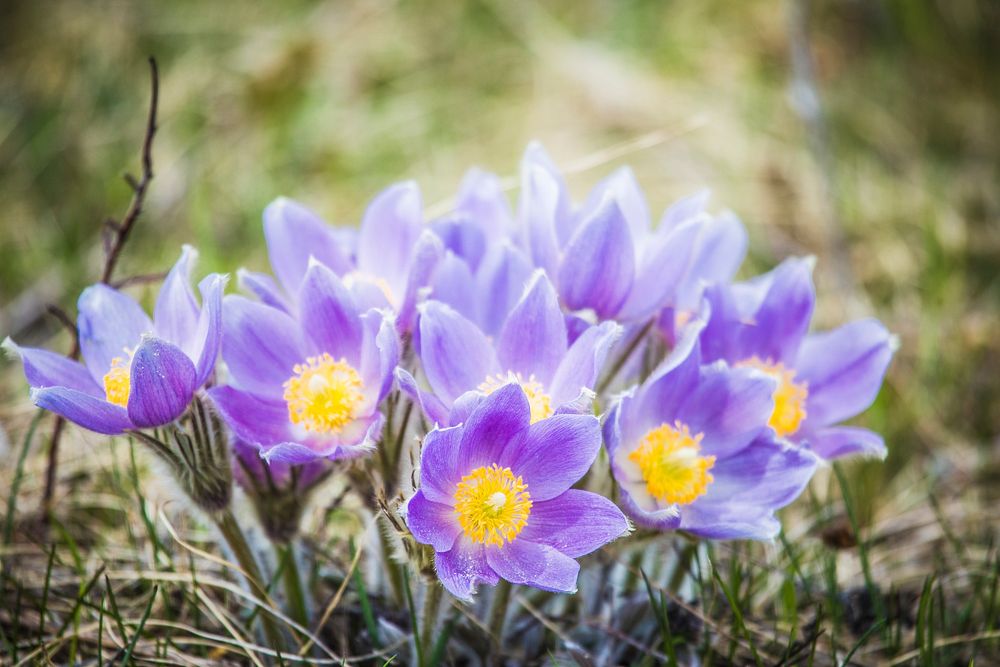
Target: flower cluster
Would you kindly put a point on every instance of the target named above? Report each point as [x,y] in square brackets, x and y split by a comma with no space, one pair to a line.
[510,346]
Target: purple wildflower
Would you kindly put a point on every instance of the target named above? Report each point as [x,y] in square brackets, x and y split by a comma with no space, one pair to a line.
[823,378]
[495,498]
[136,372]
[532,348]
[307,387]
[691,451]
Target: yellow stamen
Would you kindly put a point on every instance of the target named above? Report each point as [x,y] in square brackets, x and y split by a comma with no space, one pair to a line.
[668,457]
[117,382]
[540,402]
[323,394]
[789,397]
[492,505]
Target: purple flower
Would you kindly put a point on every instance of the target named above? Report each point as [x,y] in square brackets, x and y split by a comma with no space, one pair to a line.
[532,349]
[310,386]
[495,498]
[384,265]
[823,378]
[604,257]
[691,451]
[136,373]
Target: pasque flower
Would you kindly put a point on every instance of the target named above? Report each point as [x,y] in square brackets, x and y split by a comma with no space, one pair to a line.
[531,349]
[690,449]
[308,386]
[495,498]
[137,372]
[384,264]
[822,378]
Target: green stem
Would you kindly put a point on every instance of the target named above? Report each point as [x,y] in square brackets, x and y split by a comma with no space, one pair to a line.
[498,613]
[292,582]
[432,602]
[234,537]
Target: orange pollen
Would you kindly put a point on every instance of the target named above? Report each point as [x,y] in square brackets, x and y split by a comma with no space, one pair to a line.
[492,505]
[789,396]
[323,394]
[671,465]
[117,381]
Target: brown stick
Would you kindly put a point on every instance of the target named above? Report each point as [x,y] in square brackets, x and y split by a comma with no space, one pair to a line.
[115,235]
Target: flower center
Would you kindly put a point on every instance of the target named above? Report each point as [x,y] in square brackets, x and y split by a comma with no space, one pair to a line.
[492,505]
[789,397]
[671,466]
[117,385]
[538,400]
[323,394]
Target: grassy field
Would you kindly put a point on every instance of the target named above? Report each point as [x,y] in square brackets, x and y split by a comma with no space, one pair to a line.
[889,174]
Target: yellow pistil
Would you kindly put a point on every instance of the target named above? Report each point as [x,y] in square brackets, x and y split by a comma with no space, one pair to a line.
[540,402]
[492,505]
[789,397]
[323,394]
[674,472]
[117,383]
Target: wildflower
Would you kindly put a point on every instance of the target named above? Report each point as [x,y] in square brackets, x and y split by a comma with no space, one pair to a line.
[532,349]
[822,378]
[307,387]
[136,372]
[690,450]
[495,498]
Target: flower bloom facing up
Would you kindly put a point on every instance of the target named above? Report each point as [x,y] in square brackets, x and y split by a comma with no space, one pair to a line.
[307,387]
[822,378]
[690,450]
[532,349]
[137,372]
[495,498]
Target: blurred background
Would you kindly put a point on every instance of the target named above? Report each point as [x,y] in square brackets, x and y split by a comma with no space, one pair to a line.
[866,133]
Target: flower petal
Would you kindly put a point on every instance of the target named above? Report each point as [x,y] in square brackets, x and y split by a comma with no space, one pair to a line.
[664,262]
[432,523]
[533,340]
[163,380]
[263,287]
[497,421]
[839,441]
[439,471]
[782,320]
[176,313]
[430,404]
[208,333]
[48,369]
[481,198]
[719,252]
[685,208]
[461,236]
[500,282]
[599,262]
[583,362]
[544,208]
[261,345]
[462,568]
[733,523]
[767,475]
[454,285]
[294,234]
[329,315]
[427,252]
[538,565]
[455,354]
[90,412]
[624,188]
[379,353]
[575,523]
[108,323]
[843,370]
[554,453]
[389,230]
[259,422]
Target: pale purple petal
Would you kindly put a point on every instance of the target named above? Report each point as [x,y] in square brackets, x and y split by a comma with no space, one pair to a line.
[735,523]
[498,420]
[207,339]
[389,230]
[583,362]
[721,248]
[439,471]
[108,322]
[839,441]
[843,370]
[500,282]
[379,352]
[453,284]
[432,523]
[554,453]
[624,188]
[481,197]
[599,263]
[260,422]
[664,262]
[263,287]
[462,236]
[685,208]
[358,439]
[427,252]
[86,410]
[175,316]
[430,404]
[575,523]
[541,209]
[163,380]
[463,568]
[538,565]
[767,474]
[455,354]
[48,369]
[782,320]
[533,340]
[261,345]
[294,234]
[329,315]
